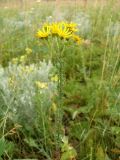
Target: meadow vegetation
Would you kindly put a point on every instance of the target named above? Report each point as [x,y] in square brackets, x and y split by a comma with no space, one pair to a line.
[60,81]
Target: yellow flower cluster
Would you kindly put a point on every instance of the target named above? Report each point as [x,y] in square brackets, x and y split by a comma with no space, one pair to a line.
[26,69]
[23,58]
[61,29]
[55,78]
[41,85]
[12,82]
[44,85]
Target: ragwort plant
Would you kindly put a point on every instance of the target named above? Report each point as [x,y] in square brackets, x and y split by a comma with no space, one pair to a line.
[58,37]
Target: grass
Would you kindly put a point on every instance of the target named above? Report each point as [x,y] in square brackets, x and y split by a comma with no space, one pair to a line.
[77,117]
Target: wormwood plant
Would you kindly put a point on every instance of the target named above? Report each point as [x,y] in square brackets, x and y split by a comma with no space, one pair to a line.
[27,102]
[58,37]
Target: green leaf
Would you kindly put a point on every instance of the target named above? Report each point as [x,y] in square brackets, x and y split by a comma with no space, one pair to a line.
[69,155]
[100,154]
[31,142]
[6,146]
[9,147]
[79,130]
[2,146]
[115,130]
[117,141]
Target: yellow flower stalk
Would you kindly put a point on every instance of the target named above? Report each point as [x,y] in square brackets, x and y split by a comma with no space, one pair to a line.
[27,69]
[54,78]
[12,81]
[41,85]
[15,60]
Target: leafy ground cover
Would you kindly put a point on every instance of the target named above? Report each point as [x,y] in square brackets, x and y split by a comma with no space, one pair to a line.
[60,82]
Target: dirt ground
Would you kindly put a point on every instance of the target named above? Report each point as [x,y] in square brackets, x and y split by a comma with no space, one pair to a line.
[31,3]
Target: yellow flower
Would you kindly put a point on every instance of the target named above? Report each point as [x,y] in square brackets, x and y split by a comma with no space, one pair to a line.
[28,69]
[54,78]
[72,27]
[62,29]
[28,51]
[41,85]
[23,70]
[64,32]
[44,32]
[12,82]
[15,60]
[23,58]
[54,107]
[54,28]
[77,39]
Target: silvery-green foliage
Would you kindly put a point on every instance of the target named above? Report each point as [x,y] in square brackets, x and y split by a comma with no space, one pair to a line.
[113,29]
[49,19]
[83,21]
[18,84]
[16,23]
